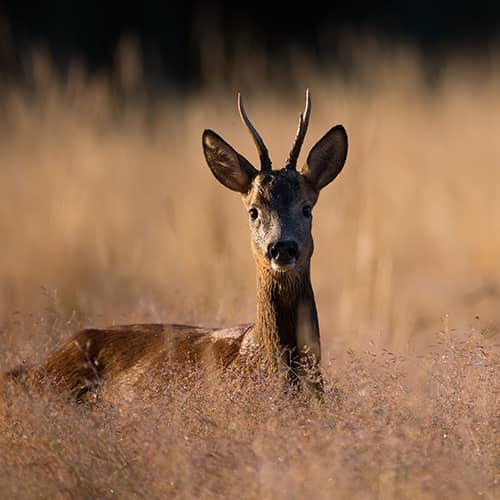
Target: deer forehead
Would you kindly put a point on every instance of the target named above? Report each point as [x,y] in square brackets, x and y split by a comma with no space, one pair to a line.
[279,189]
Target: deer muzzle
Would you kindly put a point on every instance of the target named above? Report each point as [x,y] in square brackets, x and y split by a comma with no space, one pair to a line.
[283,254]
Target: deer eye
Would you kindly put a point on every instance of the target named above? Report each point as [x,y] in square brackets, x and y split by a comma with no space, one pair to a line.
[307,211]
[254,213]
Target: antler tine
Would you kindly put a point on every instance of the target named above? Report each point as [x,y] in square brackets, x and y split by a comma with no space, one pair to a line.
[301,133]
[265,161]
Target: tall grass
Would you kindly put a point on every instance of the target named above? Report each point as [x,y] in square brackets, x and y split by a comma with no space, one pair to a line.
[108,214]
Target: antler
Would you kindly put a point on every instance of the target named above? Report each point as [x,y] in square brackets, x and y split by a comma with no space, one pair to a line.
[265,161]
[301,133]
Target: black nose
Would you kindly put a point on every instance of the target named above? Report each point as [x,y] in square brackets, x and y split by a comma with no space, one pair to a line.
[284,252]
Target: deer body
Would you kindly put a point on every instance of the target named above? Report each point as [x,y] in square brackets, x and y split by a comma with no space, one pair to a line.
[286,331]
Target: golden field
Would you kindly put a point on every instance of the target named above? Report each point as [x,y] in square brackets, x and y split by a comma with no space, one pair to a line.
[108,214]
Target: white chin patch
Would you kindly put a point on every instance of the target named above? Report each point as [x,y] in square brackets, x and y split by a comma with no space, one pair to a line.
[283,267]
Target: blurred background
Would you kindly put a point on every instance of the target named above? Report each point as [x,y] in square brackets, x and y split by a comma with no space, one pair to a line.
[109,214]
[173,37]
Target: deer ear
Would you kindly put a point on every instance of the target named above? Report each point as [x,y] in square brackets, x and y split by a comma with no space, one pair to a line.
[327,157]
[229,167]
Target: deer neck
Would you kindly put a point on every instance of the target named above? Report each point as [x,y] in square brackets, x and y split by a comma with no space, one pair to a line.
[287,320]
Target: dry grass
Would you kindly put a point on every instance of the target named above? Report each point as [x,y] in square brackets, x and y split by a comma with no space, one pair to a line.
[388,427]
[109,215]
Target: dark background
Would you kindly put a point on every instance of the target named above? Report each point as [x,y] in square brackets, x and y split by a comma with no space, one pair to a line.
[169,32]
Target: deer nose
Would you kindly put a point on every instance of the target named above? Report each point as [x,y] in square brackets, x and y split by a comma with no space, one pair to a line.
[283,252]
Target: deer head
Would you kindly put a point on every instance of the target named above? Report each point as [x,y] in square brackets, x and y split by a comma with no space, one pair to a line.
[279,202]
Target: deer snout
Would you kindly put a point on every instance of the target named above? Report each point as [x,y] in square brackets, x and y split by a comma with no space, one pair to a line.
[283,254]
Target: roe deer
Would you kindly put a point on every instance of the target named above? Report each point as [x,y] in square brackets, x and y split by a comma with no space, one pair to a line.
[286,331]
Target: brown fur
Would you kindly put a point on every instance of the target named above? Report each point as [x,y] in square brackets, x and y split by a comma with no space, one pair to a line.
[94,356]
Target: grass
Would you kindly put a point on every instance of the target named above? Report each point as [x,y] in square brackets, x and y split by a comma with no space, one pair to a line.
[109,215]
[388,427]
